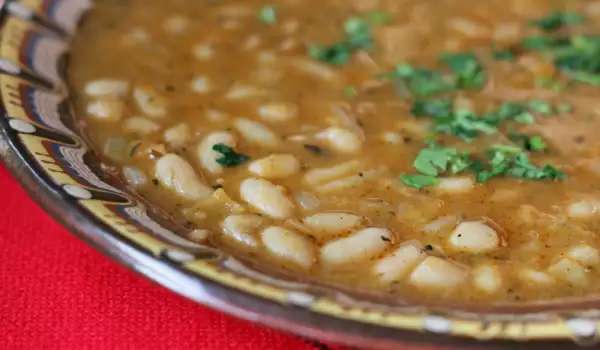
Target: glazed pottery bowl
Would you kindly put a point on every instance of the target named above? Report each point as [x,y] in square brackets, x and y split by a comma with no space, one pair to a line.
[44,149]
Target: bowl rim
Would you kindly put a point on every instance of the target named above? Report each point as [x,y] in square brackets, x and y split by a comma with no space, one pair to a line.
[255,301]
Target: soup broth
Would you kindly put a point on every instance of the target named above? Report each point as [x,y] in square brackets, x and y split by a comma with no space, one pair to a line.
[431,149]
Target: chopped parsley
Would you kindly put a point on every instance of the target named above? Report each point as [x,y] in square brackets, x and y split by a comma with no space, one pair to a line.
[524,169]
[506,160]
[549,83]
[357,36]
[229,158]
[503,54]
[469,73]
[350,91]
[436,108]
[557,20]
[529,143]
[378,17]
[435,160]
[419,181]
[564,108]
[268,14]
[421,82]
[464,124]
[541,107]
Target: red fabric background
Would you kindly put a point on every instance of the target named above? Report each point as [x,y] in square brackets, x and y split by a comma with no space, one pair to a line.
[58,293]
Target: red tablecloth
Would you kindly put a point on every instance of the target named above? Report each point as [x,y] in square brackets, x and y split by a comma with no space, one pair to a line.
[58,293]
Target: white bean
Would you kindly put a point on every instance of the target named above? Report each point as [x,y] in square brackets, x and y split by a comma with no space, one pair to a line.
[316,69]
[106,88]
[216,116]
[218,203]
[251,42]
[288,245]
[176,173]
[175,24]
[242,228]
[342,140]
[275,166]
[569,271]
[397,264]
[584,254]
[198,235]
[529,275]
[207,156]
[134,176]
[325,225]
[203,52]
[278,112]
[135,36]
[141,125]
[177,135]
[107,109]
[455,184]
[474,237]
[391,138]
[150,102]
[469,28]
[438,273]
[239,91]
[362,245]
[201,85]
[266,198]
[321,175]
[487,278]
[508,31]
[307,200]
[256,133]
[583,209]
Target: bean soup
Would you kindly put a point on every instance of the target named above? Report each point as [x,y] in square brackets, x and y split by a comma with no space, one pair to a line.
[427,149]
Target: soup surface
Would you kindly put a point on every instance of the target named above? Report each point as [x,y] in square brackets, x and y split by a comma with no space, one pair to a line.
[432,149]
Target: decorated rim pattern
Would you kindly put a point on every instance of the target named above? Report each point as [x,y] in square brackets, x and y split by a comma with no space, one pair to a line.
[41,145]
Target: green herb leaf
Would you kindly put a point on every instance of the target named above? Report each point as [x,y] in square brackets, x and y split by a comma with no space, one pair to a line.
[419,181]
[268,14]
[466,125]
[536,144]
[507,160]
[564,108]
[549,84]
[421,82]
[230,158]
[529,143]
[350,91]
[540,43]
[525,118]
[338,53]
[437,108]
[541,107]
[524,169]
[467,69]
[503,54]
[357,32]
[432,161]
[557,20]
[378,17]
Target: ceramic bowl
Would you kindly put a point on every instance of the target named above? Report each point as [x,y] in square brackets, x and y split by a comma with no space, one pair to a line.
[43,148]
